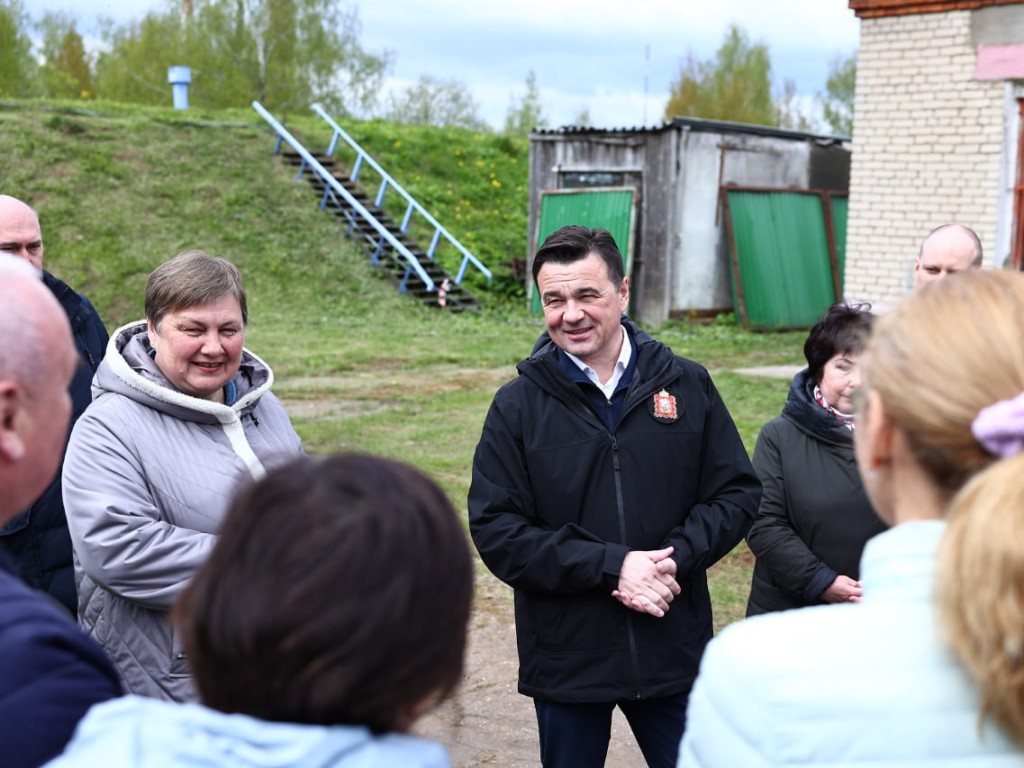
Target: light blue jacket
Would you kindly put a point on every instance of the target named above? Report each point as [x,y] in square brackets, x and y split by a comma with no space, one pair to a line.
[136,732]
[863,685]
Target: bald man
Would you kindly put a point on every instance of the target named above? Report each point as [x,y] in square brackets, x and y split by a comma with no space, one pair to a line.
[947,249]
[50,673]
[38,538]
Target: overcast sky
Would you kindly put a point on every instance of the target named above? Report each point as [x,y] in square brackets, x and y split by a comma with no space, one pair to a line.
[586,54]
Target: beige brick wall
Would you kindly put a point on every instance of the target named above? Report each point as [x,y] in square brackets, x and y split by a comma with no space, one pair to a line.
[927,144]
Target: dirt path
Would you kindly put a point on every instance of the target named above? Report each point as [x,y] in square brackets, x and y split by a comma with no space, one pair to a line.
[489,723]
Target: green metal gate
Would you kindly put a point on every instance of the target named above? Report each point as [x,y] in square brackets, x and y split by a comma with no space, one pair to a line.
[611,208]
[839,206]
[786,265]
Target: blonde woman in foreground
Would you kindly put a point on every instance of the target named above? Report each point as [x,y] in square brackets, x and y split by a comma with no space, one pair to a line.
[930,666]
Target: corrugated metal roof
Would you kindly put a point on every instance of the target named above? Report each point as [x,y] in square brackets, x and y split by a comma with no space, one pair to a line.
[589,129]
[700,124]
[693,124]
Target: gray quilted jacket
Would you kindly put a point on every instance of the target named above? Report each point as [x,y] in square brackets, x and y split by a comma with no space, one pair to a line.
[148,476]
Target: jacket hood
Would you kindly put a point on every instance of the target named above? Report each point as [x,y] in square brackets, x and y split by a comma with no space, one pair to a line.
[127,369]
[804,412]
[134,731]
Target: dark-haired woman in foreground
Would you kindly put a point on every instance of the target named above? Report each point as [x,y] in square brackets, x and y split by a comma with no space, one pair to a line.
[814,517]
[330,616]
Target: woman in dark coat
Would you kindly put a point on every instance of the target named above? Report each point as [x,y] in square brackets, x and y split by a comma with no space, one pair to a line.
[814,517]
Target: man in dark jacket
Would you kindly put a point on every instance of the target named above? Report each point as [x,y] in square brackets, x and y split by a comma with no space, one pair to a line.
[608,478]
[50,673]
[38,538]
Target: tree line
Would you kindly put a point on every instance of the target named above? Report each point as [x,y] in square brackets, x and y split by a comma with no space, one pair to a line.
[737,85]
[290,53]
[285,53]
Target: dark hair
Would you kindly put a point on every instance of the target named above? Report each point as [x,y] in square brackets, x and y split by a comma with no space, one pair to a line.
[573,242]
[844,328]
[192,279]
[339,592]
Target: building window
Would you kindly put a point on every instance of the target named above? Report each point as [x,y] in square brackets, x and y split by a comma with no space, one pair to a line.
[580,179]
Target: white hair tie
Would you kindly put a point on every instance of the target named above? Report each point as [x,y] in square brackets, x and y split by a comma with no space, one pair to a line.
[1000,427]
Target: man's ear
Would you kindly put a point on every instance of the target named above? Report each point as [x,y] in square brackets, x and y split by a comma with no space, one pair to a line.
[12,447]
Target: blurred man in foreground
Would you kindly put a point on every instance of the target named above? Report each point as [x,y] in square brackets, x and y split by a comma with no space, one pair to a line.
[50,673]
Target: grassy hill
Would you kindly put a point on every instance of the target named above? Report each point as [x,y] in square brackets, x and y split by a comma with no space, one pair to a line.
[120,189]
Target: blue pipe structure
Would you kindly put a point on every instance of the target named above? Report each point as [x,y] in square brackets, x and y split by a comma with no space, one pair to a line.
[387,182]
[412,263]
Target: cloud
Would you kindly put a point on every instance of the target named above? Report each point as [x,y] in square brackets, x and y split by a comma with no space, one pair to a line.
[599,55]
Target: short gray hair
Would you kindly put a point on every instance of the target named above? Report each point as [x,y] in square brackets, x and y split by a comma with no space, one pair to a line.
[21,338]
[192,279]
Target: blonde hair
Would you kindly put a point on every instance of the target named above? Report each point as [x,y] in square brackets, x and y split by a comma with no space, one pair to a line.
[981,588]
[936,361]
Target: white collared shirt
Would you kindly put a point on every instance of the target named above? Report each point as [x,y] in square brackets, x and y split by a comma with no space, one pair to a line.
[608,388]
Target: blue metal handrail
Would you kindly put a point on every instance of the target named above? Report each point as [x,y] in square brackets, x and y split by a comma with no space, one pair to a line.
[412,263]
[412,204]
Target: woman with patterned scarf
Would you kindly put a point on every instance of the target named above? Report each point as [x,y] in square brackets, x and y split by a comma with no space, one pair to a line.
[814,518]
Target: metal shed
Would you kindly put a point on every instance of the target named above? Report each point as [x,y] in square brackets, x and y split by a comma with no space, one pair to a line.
[680,258]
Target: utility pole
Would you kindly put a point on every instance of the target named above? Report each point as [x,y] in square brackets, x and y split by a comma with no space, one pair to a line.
[647,76]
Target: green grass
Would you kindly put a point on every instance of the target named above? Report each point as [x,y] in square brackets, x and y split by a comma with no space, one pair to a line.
[121,189]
